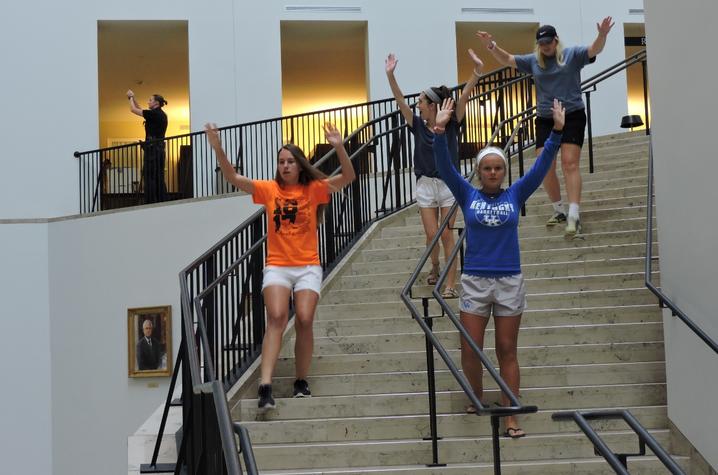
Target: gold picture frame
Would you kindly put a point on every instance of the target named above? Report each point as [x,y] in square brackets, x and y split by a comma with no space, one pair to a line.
[149,341]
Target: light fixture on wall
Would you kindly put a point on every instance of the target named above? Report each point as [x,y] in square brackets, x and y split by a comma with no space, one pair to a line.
[635,11]
[480,10]
[322,8]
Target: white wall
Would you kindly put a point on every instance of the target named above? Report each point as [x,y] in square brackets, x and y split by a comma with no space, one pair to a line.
[26,427]
[50,60]
[685,169]
[67,287]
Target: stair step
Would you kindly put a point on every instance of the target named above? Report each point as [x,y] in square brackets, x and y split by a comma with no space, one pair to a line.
[417,426]
[531,376]
[645,465]
[528,355]
[529,336]
[574,299]
[584,253]
[451,450]
[550,239]
[450,402]
[533,285]
[530,230]
[572,316]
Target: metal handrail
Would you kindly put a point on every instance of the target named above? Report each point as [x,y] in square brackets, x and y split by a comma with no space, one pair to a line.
[663,299]
[617,461]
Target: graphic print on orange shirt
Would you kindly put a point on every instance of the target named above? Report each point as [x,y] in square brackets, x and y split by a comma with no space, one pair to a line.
[291,216]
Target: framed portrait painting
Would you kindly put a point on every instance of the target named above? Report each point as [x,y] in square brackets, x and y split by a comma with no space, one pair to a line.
[149,341]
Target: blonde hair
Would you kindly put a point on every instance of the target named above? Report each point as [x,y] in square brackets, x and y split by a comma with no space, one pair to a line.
[541,59]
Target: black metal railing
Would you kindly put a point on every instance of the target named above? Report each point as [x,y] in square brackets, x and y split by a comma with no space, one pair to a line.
[112,177]
[618,461]
[663,300]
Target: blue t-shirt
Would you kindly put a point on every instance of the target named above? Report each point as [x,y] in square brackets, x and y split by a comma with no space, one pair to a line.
[424,164]
[492,239]
[557,82]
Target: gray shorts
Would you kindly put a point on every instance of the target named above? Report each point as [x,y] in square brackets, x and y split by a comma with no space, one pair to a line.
[506,296]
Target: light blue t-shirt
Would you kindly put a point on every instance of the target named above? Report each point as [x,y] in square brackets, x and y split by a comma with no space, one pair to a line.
[557,82]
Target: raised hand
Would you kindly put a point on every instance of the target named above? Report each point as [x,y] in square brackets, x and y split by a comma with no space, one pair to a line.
[559,115]
[390,63]
[443,114]
[605,26]
[477,61]
[485,37]
[212,133]
[332,134]
[130,94]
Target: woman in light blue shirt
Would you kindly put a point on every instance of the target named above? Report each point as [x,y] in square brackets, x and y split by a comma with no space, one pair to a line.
[557,74]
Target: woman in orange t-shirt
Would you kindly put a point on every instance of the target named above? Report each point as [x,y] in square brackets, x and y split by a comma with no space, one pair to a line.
[295,202]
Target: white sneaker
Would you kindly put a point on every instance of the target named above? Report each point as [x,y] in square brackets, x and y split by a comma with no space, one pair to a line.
[573,227]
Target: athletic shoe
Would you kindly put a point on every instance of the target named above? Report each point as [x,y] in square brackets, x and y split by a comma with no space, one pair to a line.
[573,227]
[266,401]
[557,217]
[301,388]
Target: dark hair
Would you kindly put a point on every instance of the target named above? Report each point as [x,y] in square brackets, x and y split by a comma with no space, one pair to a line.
[444,93]
[307,173]
[441,91]
[159,99]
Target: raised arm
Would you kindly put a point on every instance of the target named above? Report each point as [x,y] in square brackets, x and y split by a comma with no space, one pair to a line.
[228,171]
[503,57]
[527,184]
[134,107]
[390,65]
[469,86]
[347,175]
[459,187]
[603,29]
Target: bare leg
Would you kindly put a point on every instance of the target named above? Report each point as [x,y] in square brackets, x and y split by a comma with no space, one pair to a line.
[507,333]
[570,154]
[305,303]
[471,364]
[447,239]
[550,182]
[430,220]
[276,299]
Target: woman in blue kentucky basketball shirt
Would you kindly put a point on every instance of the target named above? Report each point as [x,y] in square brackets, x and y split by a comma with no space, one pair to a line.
[491,280]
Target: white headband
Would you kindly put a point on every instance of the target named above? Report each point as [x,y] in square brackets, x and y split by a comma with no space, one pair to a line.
[434,97]
[492,151]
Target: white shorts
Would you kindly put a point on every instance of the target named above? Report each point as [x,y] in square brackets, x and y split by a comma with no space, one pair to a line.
[505,295]
[294,278]
[433,193]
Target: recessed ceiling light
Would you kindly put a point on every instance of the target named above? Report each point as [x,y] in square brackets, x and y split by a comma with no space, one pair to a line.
[322,8]
[521,11]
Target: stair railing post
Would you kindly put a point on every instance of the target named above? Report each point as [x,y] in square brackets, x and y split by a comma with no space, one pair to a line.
[432,390]
[645,97]
[590,132]
[496,444]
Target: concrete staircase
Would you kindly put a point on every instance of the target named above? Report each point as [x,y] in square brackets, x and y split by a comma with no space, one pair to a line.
[592,338]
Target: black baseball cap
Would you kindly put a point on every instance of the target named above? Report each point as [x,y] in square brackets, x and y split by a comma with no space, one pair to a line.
[545,34]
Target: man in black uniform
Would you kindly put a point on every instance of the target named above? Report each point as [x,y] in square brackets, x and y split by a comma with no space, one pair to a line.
[154,147]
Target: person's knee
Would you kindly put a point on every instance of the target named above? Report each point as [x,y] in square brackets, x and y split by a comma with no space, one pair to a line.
[570,166]
[304,322]
[506,351]
[277,319]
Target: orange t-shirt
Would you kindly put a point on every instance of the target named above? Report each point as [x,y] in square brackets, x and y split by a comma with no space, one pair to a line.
[291,220]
